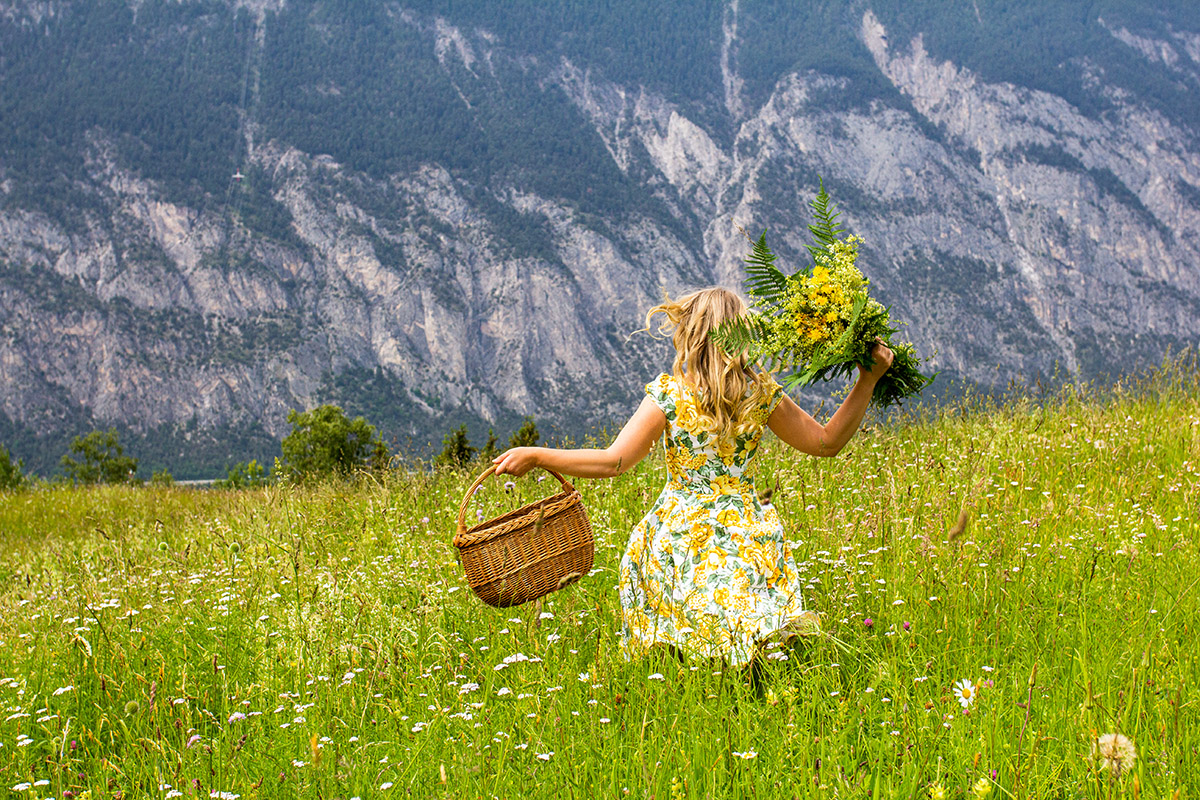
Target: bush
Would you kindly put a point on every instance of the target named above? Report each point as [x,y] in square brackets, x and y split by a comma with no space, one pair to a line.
[162,478]
[244,475]
[325,442]
[11,475]
[99,458]
[526,436]
[456,449]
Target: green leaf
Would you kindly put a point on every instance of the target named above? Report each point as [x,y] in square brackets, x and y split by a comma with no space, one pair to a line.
[826,230]
[764,282]
[742,337]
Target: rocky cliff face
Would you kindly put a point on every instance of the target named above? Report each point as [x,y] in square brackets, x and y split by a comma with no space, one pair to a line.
[1013,232]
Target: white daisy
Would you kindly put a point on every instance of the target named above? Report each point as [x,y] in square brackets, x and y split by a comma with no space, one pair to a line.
[964,691]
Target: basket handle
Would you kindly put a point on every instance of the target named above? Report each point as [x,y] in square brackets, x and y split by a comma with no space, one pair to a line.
[462,510]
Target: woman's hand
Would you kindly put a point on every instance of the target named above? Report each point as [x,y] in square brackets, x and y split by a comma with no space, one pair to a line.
[883,356]
[517,461]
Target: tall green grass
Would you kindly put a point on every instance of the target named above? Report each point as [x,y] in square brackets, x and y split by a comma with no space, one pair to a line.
[319,642]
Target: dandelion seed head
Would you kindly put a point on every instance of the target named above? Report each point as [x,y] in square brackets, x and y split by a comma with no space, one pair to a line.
[1115,753]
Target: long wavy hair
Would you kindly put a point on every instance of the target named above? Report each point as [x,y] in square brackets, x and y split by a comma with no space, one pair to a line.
[726,389]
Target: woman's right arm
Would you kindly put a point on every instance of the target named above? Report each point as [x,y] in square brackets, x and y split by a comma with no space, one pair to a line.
[796,427]
[632,444]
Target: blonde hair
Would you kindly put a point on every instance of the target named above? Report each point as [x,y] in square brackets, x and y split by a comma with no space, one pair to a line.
[719,382]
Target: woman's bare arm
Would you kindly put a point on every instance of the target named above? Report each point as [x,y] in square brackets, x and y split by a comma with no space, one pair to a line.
[797,428]
[631,446]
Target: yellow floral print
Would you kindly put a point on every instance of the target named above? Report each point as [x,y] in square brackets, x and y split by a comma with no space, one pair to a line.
[698,538]
[726,485]
[687,417]
[707,569]
[729,516]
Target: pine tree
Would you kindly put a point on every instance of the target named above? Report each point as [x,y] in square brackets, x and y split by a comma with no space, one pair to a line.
[456,449]
[526,436]
[491,449]
[11,476]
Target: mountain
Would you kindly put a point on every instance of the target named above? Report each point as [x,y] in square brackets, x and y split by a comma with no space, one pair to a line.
[213,211]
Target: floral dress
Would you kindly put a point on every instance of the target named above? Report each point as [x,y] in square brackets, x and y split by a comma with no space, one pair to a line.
[707,570]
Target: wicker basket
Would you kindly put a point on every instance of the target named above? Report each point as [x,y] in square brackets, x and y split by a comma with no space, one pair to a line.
[528,553]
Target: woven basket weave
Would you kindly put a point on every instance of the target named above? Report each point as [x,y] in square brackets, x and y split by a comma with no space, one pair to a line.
[528,553]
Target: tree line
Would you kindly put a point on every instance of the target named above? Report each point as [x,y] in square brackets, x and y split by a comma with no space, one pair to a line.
[324,444]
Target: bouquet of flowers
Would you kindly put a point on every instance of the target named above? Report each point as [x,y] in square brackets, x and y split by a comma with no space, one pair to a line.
[820,322]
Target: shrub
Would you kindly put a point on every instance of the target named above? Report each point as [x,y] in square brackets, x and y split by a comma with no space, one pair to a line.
[162,478]
[325,442]
[11,475]
[244,475]
[99,458]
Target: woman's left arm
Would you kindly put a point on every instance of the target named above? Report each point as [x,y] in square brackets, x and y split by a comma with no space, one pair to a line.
[631,446]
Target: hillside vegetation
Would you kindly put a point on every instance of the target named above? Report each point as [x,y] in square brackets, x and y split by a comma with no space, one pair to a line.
[358,81]
[451,212]
[319,641]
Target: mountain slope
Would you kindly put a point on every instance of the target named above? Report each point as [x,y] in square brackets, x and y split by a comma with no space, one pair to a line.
[213,212]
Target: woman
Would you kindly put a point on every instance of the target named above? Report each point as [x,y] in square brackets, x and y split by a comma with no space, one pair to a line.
[708,570]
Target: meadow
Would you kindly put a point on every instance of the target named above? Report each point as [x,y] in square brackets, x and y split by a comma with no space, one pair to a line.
[318,641]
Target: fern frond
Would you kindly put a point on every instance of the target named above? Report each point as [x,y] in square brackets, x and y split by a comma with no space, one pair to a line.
[764,280]
[826,230]
[744,336]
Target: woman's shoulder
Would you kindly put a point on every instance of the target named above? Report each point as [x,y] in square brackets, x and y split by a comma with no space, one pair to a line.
[663,390]
[661,382]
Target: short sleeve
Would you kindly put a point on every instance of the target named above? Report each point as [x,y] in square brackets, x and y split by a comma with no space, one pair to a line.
[774,394]
[662,391]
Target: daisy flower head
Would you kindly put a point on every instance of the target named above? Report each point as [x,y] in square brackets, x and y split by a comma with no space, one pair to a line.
[964,692]
[1114,753]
